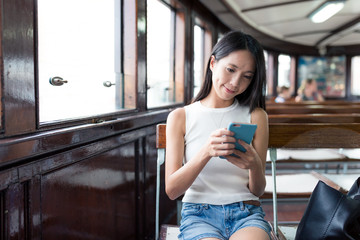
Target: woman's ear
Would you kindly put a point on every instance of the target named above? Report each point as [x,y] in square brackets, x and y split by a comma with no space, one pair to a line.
[212,62]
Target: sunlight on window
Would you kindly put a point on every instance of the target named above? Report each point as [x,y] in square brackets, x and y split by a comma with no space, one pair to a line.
[268,77]
[80,44]
[159,55]
[198,58]
[355,75]
[284,70]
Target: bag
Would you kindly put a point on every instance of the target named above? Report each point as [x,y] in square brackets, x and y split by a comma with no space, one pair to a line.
[331,214]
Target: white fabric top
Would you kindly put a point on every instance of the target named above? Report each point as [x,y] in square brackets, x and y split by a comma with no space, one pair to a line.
[220,182]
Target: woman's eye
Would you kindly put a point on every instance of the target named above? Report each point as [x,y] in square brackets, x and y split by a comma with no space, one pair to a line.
[230,70]
[249,77]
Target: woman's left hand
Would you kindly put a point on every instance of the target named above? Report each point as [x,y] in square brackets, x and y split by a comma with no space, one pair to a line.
[245,160]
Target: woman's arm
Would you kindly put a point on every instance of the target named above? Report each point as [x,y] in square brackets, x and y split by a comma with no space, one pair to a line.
[254,158]
[257,180]
[178,178]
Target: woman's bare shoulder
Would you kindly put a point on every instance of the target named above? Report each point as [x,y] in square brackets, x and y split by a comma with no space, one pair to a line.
[176,115]
[176,119]
[259,115]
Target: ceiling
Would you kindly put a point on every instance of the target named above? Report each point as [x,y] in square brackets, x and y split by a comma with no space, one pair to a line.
[287,20]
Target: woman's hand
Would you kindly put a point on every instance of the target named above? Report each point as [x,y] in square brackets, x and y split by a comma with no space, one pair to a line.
[246,160]
[220,143]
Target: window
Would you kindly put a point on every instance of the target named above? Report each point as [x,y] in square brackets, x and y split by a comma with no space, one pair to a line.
[355,76]
[329,72]
[202,50]
[79,59]
[284,70]
[160,54]
[269,64]
[198,58]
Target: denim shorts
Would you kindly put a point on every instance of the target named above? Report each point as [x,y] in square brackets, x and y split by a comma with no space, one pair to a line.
[219,221]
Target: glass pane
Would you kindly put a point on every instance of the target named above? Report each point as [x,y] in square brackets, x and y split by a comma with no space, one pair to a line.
[284,70]
[160,61]
[79,41]
[198,58]
[329,72]
[355,74]
[268,75]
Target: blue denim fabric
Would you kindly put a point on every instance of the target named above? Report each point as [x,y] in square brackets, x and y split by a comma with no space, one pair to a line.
[219,221]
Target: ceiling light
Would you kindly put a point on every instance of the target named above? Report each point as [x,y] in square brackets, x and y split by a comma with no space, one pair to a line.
[326,11]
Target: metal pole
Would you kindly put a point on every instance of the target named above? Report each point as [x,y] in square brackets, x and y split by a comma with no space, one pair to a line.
[273,171]
[160,161]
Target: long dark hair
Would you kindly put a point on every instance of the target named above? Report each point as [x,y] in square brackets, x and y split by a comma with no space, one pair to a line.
[254,95]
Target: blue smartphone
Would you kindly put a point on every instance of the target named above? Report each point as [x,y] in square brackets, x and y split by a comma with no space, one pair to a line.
[243,131]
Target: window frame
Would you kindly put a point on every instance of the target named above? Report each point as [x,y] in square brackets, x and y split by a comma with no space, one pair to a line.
[129,47]
[176,96]
[208,43]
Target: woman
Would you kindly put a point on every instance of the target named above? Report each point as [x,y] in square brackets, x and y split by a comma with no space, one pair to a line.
[308,91]
[284,94]
[221,198]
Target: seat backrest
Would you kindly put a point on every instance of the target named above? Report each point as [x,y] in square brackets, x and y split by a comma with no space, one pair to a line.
[161,136]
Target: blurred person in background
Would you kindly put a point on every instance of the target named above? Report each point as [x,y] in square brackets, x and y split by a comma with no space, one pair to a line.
[284,94]
[308,91]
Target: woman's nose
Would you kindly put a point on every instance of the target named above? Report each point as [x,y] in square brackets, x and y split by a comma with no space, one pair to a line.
[235,81]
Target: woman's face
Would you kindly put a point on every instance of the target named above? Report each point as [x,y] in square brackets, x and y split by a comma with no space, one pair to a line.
[232,74]
[312,86]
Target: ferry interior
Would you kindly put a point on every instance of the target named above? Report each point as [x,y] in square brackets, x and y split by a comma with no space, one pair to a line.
[86,87]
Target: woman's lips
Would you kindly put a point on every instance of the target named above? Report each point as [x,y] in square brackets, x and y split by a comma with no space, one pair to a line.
[229,90]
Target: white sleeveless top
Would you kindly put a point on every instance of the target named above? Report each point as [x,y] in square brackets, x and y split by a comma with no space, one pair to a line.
[220,182]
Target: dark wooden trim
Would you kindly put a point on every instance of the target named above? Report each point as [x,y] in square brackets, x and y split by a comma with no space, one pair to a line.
[348,76]
[2,215]
[35,216]
[275,72]
[27,148]
[18,67]
[189,42]
[1,74]
[141,55]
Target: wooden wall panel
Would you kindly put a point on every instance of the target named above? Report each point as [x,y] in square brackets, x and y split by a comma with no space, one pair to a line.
[2,215]
[102,190]
[92,199]
[14,212]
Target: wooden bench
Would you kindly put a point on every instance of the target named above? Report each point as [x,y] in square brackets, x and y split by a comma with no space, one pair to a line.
[312,109]
[339,155]
[327,102]
[312,126]
[309,136]
[309,103]
[315,118]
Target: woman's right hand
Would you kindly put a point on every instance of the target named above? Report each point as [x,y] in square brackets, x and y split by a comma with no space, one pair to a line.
[220,143]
